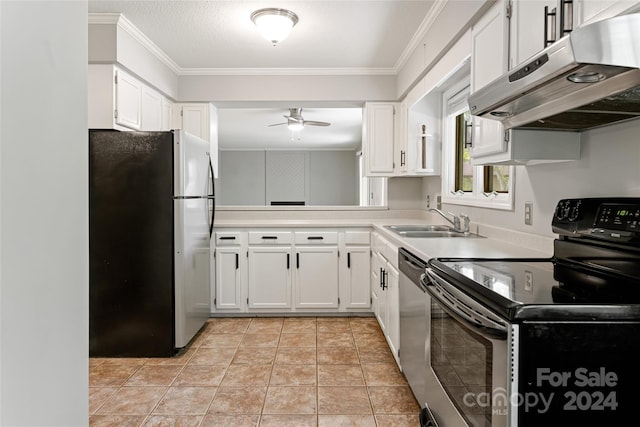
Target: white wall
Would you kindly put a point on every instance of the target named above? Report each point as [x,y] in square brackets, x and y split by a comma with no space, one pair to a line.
[44,214]
[352,90]
[609,166]
[455,18]
[113,39]
[405,193]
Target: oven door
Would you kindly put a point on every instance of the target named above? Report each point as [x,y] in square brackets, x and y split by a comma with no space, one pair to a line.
[469,352]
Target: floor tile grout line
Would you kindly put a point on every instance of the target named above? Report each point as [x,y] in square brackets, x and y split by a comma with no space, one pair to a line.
[356,347]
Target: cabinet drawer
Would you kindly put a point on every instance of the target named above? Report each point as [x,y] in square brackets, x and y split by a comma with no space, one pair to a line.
[316,237]
[356,237]
[227,238]
[270,238]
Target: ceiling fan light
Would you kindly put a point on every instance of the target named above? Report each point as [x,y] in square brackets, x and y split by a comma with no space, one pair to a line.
[295,126]
[274,24]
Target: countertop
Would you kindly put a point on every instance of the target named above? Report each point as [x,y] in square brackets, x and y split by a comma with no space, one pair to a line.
[496,243]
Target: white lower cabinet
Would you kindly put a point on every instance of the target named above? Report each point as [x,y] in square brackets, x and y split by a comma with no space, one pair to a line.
[379,296]
[316,278]
[285,270]
[228,279]
[355,268]
[228,290]
[393,310]
[384,291]
[269,277]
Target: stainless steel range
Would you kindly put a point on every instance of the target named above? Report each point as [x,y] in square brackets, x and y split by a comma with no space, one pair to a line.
[531,342]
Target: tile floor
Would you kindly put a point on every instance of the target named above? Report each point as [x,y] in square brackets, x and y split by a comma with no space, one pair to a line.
[303,371]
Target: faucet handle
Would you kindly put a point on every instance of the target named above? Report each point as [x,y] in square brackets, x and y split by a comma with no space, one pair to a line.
[466,220]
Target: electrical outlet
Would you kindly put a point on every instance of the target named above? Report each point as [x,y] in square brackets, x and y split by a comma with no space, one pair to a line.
[528,213]
[428,201]
[439,202]
[528,281]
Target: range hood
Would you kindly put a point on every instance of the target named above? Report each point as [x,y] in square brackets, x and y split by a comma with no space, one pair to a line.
[587,79]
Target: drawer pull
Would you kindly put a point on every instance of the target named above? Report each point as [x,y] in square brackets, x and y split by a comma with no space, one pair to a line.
[315,238]
[270,237]
[227,237]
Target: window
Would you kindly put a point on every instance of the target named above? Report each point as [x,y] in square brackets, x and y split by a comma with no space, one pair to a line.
[463,166]
[462,181]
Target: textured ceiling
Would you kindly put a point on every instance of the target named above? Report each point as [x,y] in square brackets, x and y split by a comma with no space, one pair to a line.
[362,36]
[330,34]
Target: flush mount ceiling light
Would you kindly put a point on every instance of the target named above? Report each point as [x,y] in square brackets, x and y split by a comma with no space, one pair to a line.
[274,24]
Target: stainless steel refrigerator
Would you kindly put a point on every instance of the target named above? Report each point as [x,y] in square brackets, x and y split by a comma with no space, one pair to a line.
[151,211]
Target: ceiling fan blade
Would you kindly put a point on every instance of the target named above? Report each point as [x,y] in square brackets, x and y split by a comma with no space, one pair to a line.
[294,119]
[314,123]
[276,124]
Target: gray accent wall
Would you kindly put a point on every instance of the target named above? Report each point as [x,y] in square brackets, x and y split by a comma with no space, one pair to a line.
[319,178]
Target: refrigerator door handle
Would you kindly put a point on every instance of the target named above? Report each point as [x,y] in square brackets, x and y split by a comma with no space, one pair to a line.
[212,197]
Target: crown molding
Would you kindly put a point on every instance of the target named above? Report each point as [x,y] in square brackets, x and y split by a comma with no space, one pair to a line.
[427,22]
[287,71]
[122,22]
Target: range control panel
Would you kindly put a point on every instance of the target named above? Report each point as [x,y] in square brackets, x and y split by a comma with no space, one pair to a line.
[613,219]
[618,217]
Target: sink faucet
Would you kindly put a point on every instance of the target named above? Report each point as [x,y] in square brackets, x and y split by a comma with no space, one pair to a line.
[460,223]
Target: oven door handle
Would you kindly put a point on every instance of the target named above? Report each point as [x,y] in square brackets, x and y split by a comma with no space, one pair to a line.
[464,308]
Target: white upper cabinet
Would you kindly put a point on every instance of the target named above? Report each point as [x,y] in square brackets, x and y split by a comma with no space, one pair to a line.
[489,46]
[128,100]
[527,28]
[507,35]
[199,119]
[489,60]
[151,110]
[378,133]
[118,100]
[166,114]
[401,143]
[195,119]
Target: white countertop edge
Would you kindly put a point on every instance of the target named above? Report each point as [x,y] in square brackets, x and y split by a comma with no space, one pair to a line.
[497,242]
[301,208]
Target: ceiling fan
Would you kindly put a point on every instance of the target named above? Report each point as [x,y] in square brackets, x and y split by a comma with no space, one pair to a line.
[295,121]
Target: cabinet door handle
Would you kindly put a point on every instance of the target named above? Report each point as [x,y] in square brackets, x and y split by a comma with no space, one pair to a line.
[549,26]
[402,158]
[382,278]
[384,281]
[348,259]
[288,261]
[297,259]
[315,238]
[227,237]
[269,237]
[566,17]
[237,261]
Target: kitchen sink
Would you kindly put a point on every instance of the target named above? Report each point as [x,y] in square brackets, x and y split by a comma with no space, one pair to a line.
[451,233]
[418,227]
[426,231]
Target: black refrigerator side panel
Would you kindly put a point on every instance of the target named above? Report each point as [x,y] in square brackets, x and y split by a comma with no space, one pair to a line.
[131,268]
